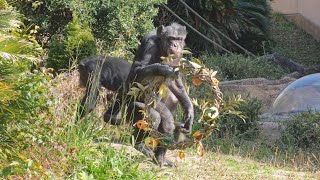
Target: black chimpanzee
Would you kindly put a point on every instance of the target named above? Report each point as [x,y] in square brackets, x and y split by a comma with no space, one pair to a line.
[96,71]
[164,41]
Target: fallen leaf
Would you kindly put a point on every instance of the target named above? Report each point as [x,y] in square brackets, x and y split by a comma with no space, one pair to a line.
[200,149]
[182,155]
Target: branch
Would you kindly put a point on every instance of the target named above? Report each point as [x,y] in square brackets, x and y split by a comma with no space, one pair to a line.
[293,66]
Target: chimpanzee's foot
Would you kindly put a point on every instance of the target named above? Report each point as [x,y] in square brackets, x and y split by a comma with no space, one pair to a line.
[165,162]
[169,163]
[144,149]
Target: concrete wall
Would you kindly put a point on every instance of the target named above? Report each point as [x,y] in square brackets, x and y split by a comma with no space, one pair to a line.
[285,6]
[304,13]
[310,9]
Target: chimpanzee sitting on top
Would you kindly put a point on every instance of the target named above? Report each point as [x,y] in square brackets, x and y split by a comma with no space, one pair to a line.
[164,41]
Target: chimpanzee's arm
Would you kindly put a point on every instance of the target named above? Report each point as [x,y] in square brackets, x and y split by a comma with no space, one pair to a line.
[154,70]
[147,61]
[178,89]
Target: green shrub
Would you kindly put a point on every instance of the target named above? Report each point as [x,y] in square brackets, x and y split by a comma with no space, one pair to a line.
[118,24]
[246,127]
[66,51]
[302,131]
[121,24]
[240,67]
[58,57]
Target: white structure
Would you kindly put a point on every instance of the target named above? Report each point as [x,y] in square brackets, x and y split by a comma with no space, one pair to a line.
[303,95]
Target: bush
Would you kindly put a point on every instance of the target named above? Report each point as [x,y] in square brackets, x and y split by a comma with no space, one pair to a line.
[246,127]
[302,131]
[121,24]
[118,24]
[240,67]
[65,51]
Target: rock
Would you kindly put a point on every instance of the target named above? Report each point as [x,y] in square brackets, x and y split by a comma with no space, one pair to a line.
[260,88]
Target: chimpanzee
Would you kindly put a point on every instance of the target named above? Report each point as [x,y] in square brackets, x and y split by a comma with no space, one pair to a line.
[96,71]
[147,64]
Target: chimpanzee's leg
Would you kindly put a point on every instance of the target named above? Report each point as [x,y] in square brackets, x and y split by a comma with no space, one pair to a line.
[139,134]
[166,126]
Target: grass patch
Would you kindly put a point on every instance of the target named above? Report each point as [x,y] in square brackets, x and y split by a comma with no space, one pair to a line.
[271,155]
[217,165]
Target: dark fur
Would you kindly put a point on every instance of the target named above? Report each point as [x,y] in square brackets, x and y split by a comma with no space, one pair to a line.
[146,65]
[97,71]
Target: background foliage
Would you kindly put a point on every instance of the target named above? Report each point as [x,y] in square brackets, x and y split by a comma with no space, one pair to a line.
[244,21]
[241,67]
[116,25]
[39,137]
[22,93]
[302,132]
[65,51]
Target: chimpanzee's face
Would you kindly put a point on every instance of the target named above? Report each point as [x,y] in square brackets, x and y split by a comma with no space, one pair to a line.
[172,38]
[174,45]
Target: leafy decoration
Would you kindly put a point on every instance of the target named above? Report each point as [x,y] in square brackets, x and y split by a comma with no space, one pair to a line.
[211,108]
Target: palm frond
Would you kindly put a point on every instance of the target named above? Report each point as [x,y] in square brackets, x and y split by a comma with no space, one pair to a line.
[256,14]
[8,20]
[15,57]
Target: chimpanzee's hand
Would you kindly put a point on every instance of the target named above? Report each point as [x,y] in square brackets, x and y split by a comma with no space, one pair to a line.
[154,70]
[166,70]
[187,128]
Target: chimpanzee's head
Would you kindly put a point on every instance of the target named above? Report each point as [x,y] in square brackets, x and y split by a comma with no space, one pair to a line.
[172,38]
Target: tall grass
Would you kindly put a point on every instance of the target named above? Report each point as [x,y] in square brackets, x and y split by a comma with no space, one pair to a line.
[89,139]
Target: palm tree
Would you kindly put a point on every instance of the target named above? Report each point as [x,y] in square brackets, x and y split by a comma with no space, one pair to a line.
[17,53]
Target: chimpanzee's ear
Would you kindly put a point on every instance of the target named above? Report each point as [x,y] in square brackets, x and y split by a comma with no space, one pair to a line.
[185,31]
[160,30]
[184,28]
